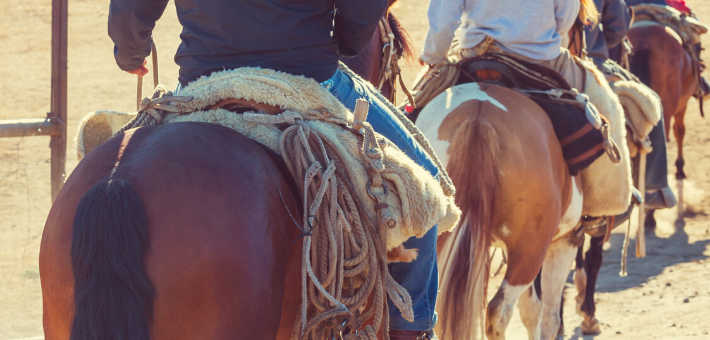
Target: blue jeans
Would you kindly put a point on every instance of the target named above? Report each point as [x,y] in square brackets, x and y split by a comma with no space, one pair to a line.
[420,277]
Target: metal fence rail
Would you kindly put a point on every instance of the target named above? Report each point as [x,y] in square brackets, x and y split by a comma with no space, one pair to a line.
[55,123]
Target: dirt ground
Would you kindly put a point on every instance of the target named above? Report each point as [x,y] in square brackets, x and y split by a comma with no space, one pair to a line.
[665,295]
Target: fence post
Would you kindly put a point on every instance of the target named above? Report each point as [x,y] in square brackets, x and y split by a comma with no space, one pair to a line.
[58,108]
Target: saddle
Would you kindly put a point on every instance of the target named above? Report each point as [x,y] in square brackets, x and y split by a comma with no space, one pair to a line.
[579,134]
[511,72]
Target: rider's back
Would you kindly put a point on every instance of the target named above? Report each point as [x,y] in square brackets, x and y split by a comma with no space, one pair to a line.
[294,36]
[525,28]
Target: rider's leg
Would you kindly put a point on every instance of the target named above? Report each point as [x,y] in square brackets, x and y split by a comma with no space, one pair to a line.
[419,277]
[658,194]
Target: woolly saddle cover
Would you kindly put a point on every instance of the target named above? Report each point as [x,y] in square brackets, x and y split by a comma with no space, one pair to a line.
[607,186]
[418,201]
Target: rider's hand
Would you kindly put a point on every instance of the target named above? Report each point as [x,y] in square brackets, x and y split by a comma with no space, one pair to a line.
[421,61]
[141,71]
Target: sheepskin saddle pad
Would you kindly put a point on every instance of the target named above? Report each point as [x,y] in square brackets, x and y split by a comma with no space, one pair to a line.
[576,122]
[361,194]
[642,106]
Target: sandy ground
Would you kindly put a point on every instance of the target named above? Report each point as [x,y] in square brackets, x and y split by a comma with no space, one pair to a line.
[665,296]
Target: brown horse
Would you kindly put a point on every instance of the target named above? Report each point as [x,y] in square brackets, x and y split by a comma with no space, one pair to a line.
[178,231]
[661,63]
[515,191]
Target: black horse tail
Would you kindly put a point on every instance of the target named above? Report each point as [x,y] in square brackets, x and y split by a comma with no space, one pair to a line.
[640,65]
[113,295]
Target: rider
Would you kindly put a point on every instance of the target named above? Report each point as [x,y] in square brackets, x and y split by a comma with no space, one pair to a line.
[602,40]
[304,37]
[704,90]
[530,30]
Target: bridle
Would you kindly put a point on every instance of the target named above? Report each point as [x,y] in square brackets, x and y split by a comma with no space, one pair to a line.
[389,67]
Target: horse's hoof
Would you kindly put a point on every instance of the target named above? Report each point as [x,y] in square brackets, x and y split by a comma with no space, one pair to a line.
[590,326]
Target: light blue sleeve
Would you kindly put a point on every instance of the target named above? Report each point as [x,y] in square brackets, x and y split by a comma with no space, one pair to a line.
[444,18]
[566,12]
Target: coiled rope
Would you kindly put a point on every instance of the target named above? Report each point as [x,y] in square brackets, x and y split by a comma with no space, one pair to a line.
[344,267]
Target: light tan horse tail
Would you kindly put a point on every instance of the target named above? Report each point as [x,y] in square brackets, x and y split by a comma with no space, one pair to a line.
[464,260]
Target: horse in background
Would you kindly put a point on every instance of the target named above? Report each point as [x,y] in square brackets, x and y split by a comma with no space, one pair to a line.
[195,219]
[661,63]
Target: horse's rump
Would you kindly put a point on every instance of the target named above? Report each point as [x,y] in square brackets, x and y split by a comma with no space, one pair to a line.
[216,220]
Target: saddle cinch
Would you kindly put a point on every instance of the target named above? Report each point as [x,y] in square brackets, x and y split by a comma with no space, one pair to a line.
[353,182]
[577,124]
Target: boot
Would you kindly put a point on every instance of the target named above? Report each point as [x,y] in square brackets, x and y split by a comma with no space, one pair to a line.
[704,89]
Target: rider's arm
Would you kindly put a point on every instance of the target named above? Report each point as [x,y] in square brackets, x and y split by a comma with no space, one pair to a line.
[566,12]
[615,20]
[444,18]
[355,23]
[130,26]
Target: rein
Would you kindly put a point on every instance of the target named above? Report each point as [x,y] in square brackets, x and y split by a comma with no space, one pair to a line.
[389,69]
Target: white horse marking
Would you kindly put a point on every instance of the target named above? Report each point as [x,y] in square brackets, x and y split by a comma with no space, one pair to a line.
[555,270]
[500,309]
[434,113]
[573,213]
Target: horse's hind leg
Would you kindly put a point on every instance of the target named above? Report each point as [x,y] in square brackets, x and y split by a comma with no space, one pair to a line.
[555,270]
[531,311]
[580,278]
[679,133]
[526,254]
[500,309]
[593,262]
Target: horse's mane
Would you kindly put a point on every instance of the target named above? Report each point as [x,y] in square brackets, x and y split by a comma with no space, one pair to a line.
[404,45]
[588,13]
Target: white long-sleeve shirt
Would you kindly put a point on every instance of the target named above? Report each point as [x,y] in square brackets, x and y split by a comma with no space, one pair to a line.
[530,28]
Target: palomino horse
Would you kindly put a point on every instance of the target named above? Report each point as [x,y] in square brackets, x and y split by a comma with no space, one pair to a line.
[515,191]
[661,63]
[178,231]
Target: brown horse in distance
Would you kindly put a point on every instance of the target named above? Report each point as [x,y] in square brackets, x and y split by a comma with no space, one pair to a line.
[661,63]
[185,229]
